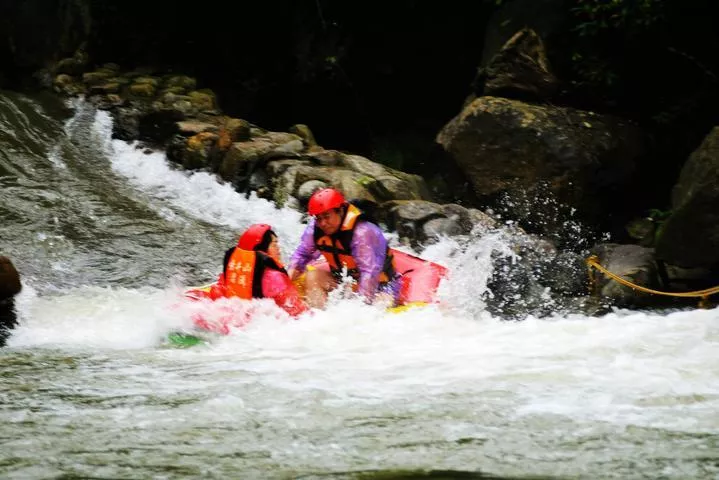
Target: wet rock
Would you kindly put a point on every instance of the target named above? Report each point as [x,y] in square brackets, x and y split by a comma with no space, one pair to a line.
[690,236]
[237,129]
[633,263]
[9,287]
[105,88]
[74,65]
[552,159]
[480,222]
[95,78]
[203,100]
[440,227]
[469,219]
[199,150]
[408,217]
[158,126]
[146,90]
[242,159]
[182,83]
[566,273]
[193,127]
[643,230]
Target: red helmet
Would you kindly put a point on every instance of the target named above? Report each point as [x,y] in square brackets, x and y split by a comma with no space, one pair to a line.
[256,237]
[325,199]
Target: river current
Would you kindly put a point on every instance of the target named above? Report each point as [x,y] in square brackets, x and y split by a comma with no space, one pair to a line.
[106,235]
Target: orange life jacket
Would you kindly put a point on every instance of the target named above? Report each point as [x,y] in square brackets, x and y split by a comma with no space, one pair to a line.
[244,270]
[337,248]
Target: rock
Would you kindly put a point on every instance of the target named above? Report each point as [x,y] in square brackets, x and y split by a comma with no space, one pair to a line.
[181,83]
[158,126]
[552,159]
[237,129]
[111,67]
[74,65]
[63,80]
[105,88]
[193,127]
[199,150]
[690,236]
[631,262]
[127,123]
[480,221]
[440,227]
[363,165]
[9,287]
[304,132]
[275,168]
[146,80]
[307,189]
[9,279]
[327,158]
[202,100]
[566,273]
[95,78]
[293,174]
[143,89]
[242,158]
[519,70]
[643,230]
[383,182]
[408,215]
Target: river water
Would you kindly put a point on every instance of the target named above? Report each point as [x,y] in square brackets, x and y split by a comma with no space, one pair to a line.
[106,235]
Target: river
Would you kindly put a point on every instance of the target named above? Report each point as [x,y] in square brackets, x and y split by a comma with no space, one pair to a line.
[106,235]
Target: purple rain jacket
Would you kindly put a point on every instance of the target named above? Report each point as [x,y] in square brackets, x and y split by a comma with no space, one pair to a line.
[369,248]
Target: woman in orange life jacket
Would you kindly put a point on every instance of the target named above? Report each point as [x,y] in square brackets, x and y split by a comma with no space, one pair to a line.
[253,269]
[349,242]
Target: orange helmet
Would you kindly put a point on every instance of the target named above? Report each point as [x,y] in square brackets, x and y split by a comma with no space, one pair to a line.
[257,237]
[325,199]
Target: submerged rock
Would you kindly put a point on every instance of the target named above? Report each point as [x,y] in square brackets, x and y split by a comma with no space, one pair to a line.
[9,287]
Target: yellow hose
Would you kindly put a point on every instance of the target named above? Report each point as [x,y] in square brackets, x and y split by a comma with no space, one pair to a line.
[593,262]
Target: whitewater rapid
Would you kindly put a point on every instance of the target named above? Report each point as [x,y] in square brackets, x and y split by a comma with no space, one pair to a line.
[353,388]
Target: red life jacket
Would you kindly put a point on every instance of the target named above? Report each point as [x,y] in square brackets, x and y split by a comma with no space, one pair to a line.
[243,273]
[337,248]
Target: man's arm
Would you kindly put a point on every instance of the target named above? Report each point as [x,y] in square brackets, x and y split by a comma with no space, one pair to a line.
[369,248]
[305,252]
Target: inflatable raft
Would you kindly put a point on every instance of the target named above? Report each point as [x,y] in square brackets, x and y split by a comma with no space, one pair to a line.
[419,279]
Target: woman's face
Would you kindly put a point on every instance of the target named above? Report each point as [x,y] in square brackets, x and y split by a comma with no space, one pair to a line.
[274,249]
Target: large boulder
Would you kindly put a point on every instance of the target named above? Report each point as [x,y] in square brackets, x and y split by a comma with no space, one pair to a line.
[545,155]
[690,236]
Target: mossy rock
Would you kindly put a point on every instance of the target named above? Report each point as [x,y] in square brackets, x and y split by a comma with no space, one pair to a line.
[202,100]
[111,67]
[181,82]
[173,91]
[146,80]
[120,79]
[63,80]
[110,87]
[237,129]
[95,78]
[142,89]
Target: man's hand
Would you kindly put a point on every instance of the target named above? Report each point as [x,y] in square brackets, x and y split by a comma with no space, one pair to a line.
[293,274]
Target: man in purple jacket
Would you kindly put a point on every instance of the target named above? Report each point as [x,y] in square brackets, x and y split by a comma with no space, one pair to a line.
[350,243]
